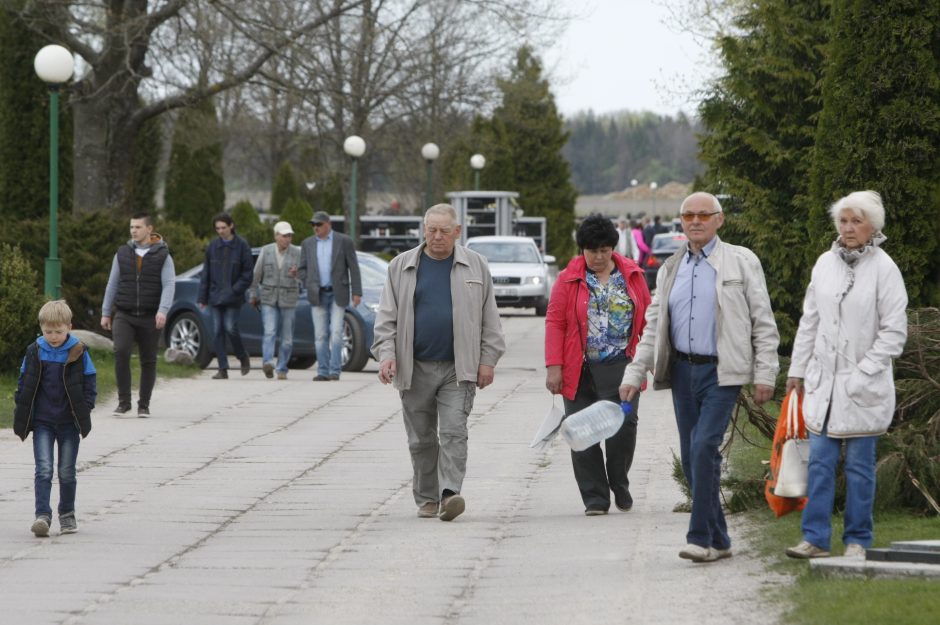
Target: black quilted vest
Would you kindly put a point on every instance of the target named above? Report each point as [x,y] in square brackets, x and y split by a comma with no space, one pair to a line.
[74,380]
[138,294]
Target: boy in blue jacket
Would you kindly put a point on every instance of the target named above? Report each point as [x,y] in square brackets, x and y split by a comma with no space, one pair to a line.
[55,395]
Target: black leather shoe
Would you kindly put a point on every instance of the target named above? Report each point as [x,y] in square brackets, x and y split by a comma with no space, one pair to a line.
[246,366]
[624,502]
[222,374]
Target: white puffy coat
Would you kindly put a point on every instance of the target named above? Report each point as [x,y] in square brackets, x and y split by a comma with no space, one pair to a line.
[845,343]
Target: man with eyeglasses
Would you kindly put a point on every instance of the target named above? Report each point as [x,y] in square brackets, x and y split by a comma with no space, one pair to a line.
[277,288]
[329,269]
[437,339]
[709,331]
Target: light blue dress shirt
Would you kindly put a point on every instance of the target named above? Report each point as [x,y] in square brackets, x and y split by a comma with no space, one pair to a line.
[325,258]
[692,304]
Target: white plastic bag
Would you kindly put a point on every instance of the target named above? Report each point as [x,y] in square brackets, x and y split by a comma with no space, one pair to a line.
[794,457]
[549,428]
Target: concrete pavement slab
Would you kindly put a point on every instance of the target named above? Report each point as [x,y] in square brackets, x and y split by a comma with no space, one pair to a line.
[252,501]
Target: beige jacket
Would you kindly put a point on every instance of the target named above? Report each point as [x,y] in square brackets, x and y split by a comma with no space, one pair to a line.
[478,335]
[745,330]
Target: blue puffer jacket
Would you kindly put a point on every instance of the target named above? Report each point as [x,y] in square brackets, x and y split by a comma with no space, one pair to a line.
[226,273]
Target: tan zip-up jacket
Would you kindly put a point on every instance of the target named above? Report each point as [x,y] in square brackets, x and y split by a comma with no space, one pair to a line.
[478,334]
[745,329]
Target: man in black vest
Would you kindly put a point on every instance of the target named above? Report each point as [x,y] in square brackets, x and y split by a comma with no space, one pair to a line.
[139,294]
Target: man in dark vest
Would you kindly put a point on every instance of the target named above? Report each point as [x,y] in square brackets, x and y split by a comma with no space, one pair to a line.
[139,294]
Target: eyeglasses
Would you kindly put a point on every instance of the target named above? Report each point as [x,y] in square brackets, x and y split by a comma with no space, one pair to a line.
[702,217]
[317,224]
[286,234]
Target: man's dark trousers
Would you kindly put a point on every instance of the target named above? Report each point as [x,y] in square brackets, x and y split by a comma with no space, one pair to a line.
[125,331]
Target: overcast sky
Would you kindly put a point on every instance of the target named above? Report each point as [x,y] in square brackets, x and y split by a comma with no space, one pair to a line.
[625,54]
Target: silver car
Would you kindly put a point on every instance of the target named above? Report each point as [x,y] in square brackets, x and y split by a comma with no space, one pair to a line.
[521,275]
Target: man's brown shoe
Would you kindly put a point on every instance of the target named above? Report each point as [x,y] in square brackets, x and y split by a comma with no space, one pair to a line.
[452,507]
[428,510]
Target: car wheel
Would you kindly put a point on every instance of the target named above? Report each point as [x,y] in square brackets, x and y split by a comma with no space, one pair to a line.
[355,351]
[541,308]
[189,335]
[301,362]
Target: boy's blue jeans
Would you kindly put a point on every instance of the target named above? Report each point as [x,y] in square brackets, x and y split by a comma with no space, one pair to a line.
[45,437]
[824,455]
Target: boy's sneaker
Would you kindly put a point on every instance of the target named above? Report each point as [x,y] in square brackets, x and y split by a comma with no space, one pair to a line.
[41,526]
[122,409]
[143,412]
[67,523]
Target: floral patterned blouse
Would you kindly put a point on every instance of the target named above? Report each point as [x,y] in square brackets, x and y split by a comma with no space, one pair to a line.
[609,319]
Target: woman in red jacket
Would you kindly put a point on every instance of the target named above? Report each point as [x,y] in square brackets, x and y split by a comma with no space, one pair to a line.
[595,317]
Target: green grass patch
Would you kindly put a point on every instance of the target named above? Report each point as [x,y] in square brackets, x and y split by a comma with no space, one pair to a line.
[104,364]
[816,600]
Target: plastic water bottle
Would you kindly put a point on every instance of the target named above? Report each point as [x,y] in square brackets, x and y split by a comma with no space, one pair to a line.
[589,426]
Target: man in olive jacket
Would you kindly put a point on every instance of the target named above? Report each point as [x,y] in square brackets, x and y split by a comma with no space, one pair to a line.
[437,339]
[276,286]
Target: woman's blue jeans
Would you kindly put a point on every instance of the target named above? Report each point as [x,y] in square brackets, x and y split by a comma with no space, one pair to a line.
[45,437]
[824,453]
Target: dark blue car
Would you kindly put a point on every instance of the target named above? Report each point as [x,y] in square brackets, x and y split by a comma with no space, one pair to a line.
[189,329]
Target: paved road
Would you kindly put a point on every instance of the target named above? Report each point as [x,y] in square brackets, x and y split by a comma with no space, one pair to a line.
[251,501]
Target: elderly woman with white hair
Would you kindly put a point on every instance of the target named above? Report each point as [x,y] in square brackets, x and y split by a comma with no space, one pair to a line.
[854,322]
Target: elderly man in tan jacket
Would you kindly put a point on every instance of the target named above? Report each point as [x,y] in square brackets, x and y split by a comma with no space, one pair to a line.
[437,339]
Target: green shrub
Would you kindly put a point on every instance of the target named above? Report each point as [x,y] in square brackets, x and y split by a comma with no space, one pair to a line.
[298,213]
[19,303]
[248,224]
[285,188]
[186,248]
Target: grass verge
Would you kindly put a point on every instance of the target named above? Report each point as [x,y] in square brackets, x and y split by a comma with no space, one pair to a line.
[104,364]
[816,600]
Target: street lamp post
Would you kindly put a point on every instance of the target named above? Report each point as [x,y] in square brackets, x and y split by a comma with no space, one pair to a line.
[477,162]
[355,147]
[54,65]
[430,152]
[653,187]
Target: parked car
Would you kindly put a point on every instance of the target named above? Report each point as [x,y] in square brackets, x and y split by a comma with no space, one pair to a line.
[664,246]
[189,329]
[521,277]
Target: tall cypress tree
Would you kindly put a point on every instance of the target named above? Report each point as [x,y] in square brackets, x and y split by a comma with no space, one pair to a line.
[285,188]
[24,125]
[195,186]
[880,129]
[760,120]
[523,143]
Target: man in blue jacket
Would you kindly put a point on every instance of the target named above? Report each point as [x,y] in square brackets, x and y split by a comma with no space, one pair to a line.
[226,276]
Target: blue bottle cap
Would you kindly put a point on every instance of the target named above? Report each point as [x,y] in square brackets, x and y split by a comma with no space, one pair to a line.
[626,406]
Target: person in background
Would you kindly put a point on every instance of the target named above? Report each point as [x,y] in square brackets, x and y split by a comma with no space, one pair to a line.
[709,331]
[54,397]
[625,244]
[437,339]
[137,298]
[226,276]
[642,249]
[595,318]
[329,268]
[854,323]
[277,288]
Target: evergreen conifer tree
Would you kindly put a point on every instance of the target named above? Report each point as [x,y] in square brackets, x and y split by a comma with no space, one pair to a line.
[760,120]
[195,187]
[285,188]
[248,224]
[298,213]
[880,129]
[24,125]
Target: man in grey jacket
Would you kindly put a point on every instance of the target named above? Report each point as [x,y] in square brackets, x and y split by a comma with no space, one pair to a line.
[709,330]
[276,286]
[329,269]
[437,339]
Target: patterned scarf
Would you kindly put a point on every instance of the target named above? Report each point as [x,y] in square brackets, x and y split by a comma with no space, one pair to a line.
[852,256]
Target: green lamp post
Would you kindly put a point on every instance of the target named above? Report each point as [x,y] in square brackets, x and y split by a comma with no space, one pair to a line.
[477,162]
[430,152]
[355,147]
[54,65]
